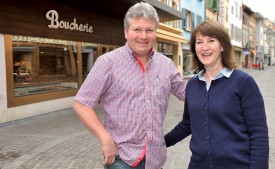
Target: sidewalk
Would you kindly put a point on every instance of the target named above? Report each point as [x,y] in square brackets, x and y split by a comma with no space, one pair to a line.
[59,140]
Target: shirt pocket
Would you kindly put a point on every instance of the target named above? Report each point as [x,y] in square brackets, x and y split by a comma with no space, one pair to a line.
[162,86]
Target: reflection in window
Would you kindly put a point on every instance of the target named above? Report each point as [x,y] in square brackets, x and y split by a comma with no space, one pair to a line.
[89,55]
[43,65]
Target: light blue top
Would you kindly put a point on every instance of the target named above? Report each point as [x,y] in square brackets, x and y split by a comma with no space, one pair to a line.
[224,72]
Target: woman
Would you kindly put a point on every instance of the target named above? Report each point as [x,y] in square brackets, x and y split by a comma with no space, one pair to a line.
[224,109]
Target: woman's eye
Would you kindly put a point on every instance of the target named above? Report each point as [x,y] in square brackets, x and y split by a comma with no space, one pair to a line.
[212,40]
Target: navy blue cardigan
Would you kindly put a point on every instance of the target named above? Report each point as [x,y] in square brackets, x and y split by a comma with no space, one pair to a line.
[227,123]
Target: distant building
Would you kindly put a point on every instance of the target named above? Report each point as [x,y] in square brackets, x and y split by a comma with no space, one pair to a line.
[193,14]
[268,42]
[259,41]
[249,33]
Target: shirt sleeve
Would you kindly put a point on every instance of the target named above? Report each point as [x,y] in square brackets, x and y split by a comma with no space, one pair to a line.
[178,85]
[96,83]
[255,118]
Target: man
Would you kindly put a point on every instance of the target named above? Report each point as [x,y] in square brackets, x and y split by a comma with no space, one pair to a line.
[133,84]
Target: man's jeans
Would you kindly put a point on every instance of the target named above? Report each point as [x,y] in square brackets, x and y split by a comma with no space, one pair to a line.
[120,164]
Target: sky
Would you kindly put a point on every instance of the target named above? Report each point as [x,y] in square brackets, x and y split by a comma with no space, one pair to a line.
[265,7]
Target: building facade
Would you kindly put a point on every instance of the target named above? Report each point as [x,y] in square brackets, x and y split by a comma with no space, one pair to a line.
[248,33]
[170,37]
[212,9]
[48,47]
[259,39]
[193,14]
[268,43]
[235,29]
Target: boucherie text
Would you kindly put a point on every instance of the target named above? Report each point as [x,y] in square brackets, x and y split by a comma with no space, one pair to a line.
[56,23]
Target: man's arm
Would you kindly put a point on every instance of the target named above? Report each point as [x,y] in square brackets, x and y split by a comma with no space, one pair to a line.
[90,119]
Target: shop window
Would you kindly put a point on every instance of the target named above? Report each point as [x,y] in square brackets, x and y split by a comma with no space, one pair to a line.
[43,65]
[166,49]
[89,55]
[90,52]
[102,49]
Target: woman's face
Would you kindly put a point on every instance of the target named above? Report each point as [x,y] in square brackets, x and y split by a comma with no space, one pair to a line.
[208,50]
[141,35]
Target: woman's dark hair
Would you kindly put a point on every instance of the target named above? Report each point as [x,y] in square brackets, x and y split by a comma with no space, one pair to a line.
[215,30]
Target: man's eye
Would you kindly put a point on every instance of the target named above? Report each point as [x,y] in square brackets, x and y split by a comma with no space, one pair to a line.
[137,30]
[149,31]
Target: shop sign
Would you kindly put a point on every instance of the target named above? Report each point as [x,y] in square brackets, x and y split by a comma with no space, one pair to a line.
[221,13]
[55,23]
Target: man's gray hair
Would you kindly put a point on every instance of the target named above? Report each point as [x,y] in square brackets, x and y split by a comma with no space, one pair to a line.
[141,9]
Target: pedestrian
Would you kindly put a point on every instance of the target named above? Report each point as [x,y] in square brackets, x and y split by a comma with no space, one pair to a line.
[133,84]
[224,109]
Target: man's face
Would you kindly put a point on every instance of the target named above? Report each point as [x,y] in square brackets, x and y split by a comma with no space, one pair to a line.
[141,35]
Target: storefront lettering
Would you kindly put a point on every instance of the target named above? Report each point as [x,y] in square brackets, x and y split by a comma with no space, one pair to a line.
[52,16]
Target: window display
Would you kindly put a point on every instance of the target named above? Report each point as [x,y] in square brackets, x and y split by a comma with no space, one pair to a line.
[43,65]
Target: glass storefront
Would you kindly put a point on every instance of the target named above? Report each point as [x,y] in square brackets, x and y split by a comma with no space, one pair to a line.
[43,65]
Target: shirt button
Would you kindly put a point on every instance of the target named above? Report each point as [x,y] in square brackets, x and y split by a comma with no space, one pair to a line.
[209,153]
[211,166]
[206,123]
[148,101]
[205,107]
[207,138]
[206,95]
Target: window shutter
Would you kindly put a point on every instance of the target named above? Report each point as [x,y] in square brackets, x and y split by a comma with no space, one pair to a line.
[193,21]
[184,19]
[215,6]
[199,19]
[209,3]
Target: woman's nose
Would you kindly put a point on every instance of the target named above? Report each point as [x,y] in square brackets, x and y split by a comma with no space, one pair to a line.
[205,46]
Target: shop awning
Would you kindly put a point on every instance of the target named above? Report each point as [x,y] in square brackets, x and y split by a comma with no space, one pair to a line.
[246,52]
[170,37]
[117,8]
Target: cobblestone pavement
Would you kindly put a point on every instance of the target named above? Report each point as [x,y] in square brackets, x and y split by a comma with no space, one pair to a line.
[58,140]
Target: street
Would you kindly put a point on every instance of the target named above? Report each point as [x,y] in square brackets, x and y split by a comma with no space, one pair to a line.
[58,140]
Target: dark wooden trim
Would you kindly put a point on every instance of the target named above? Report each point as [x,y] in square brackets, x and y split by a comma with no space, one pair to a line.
[28,18]
[9,70]
[23,100]
[14,101]
[79,64]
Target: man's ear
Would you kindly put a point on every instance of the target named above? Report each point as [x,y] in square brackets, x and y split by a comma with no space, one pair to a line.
[125,33]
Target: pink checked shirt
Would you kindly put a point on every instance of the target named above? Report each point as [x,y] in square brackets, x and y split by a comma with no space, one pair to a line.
[135,101]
